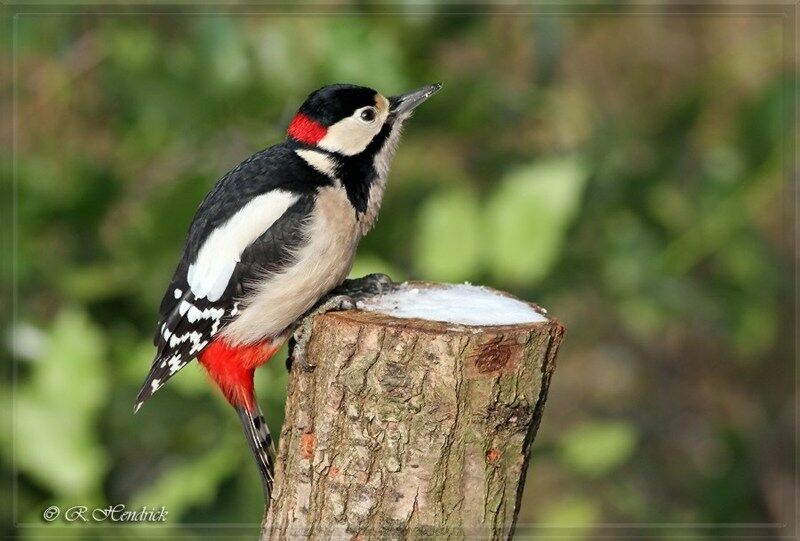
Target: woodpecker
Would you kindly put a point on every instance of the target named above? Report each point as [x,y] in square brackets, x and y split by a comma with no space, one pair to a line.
[275,235]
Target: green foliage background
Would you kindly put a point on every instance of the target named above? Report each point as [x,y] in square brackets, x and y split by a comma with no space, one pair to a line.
[625,172]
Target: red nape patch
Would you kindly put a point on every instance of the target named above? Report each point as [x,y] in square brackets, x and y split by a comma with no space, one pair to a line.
[231,368]
[306,130]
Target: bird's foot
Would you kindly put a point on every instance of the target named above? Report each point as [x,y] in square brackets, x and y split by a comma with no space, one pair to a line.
[366,286]
[344,297]
[302,333]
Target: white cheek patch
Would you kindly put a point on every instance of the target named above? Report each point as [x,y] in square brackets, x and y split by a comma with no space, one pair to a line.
[348,136]
[211,272]
[351,136]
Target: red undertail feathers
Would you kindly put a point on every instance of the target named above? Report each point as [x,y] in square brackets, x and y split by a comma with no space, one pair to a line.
[232,367]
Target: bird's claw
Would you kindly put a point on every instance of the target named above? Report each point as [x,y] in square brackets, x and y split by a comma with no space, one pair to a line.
[334,303]
[367,286]
[344,297]
[301,334]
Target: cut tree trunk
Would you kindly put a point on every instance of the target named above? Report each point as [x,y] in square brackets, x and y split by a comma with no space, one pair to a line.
[409,428]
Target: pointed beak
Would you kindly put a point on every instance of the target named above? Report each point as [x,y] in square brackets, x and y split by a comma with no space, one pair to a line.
[405,103]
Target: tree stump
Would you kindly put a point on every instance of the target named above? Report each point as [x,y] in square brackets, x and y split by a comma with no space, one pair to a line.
[408,427]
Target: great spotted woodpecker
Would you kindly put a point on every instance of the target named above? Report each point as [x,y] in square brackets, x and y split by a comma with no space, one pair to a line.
[274,235]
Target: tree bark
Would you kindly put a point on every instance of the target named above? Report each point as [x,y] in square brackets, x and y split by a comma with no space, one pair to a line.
[407,428]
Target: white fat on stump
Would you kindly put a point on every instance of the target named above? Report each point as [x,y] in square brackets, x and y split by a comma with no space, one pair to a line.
[462,304]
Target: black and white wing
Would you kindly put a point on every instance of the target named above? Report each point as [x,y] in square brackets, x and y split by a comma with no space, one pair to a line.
[248,226]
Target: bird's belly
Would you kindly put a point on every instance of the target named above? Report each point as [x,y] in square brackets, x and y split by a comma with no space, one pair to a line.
[322,264]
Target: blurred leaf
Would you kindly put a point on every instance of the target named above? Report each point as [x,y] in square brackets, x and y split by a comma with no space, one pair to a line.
[597,448]
[447,246]
[528,216]
[58,407]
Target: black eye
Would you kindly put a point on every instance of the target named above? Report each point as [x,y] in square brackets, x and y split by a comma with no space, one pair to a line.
[368,115]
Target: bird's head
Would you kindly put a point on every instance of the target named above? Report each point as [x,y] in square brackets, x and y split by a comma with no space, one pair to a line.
[345,119]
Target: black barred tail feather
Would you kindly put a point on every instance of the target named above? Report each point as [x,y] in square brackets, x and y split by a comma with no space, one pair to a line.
[258,437]
[159,373]
[183,333]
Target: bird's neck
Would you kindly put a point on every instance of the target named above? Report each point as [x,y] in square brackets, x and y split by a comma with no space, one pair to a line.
[363,176]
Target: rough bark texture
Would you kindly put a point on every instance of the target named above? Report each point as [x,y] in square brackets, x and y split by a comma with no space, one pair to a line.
[404,428]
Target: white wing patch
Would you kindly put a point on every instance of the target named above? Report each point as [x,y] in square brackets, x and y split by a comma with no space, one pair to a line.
[319,161]
[210,273]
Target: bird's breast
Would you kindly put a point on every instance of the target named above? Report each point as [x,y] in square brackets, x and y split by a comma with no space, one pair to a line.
[323,262]
[370,215]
